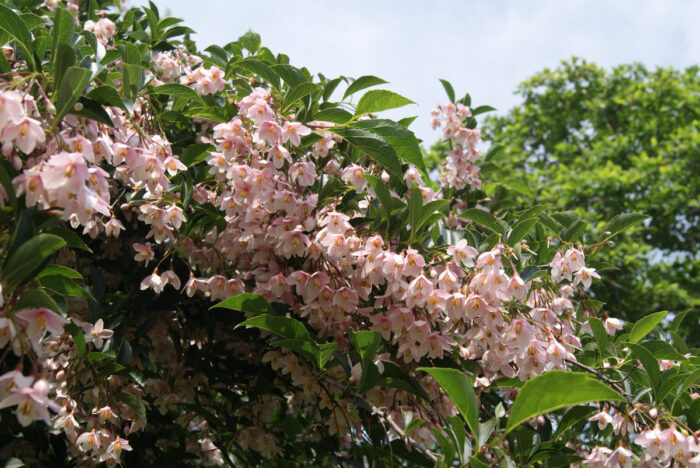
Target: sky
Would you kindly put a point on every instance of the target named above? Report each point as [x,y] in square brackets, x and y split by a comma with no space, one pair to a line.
[482,47]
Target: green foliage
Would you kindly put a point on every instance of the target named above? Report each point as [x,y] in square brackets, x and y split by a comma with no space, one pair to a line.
[603,142]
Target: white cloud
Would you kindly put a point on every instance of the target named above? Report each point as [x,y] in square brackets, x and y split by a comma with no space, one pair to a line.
[485,48]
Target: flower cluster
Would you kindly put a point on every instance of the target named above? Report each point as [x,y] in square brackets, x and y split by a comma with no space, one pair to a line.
[459,169]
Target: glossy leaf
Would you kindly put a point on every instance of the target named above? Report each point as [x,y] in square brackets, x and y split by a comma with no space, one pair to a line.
[246,302]
[361,83]
[28,257]
[460,390]
[557,389]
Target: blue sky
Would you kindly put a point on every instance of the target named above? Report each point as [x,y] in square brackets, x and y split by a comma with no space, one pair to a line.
[484,47]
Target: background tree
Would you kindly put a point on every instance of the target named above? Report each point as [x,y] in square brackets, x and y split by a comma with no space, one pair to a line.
[601,142]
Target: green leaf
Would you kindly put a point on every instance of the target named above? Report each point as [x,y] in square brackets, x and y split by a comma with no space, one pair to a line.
[367,343]
[17,29]
[362,83]
[73,83]
[571,417]
[649,362]
[106,96]
[521,229]
[426,218]
[133,402]
[259,68]
[299,92]
[36,298]
[51,270]
[484,218]
[413,425]
[379,100]
[574,231]
[645,325]
[92,110]
[374,146]
[333,114]
[63,285]
[95,356]
[28,257]
[331,189]
[132,81]
[459,388]
[246,302]
[282,326]
[557,389]
[532,272]
[78,338]
[481,109]
[623,221]
[291,75]
[307,348]
[415,208]
[177,90]
[71,238]
[448,89]
[382,192]
[599,333]
[402,140]
[195,153]
[250,40]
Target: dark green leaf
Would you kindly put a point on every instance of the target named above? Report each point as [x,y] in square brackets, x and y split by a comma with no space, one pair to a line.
[484,218]
[574,231]
[72,85]
[402,140]
[78,338]
[299,92]
[520,230]
[374,146]
[133,402]
[649,362]
[92,110]
[481,109]
[259,68]
[331,189]
[177,90]
[17,29]
[106,96]
[571,417]
[28,257]
[448,89]
[71,238]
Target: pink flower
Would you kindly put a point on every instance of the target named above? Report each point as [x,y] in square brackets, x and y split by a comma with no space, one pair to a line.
[303,173]
[462,253]
[293,131]
[38,320]
[113,226]
[585,275]
[26,134]
[96,333]
[10,108]
[32,403]
[143,252]
[612,325]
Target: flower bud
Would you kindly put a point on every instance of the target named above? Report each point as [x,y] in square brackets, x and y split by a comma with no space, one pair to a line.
[78,106]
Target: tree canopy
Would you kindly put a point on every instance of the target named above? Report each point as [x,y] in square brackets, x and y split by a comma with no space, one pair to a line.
[600,142]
